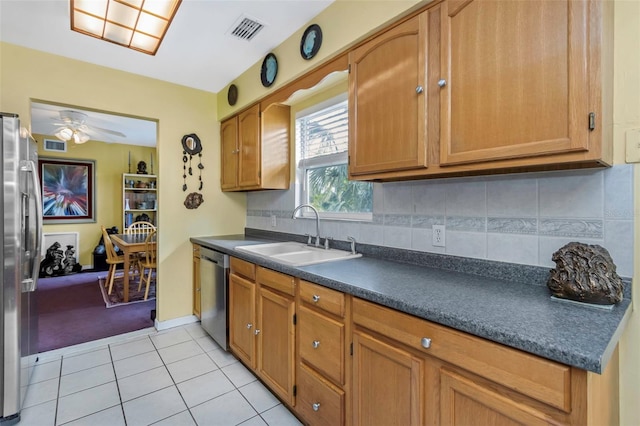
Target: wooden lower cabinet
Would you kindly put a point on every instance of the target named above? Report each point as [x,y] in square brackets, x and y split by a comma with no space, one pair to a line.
[319,402]
[388,383]
[335,359]
[409,371]
[261,325]
[276,335]
[242,318]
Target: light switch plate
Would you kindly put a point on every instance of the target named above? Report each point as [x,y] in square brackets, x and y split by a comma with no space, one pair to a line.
[633,146]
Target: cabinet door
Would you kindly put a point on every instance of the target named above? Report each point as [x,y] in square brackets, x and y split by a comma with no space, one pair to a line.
[516,79]
[249,137]
[196,280]
[387,101]
[465,402]
[388,383]
[242,318]
[276,342]
[230,157]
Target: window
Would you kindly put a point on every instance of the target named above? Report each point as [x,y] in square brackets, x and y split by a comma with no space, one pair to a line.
[322,173]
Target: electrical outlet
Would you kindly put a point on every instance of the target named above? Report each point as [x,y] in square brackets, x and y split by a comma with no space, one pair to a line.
[273,221]
[438,236]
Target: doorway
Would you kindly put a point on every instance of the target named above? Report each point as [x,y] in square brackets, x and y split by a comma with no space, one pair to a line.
[73,308]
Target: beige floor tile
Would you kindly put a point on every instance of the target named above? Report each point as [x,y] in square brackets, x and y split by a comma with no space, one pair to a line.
[86,379]
[78,362]
[191,367]
[205,387]
[137,364]
[154,407]
[90,401]
[228,409]
[180,351]
[144,383]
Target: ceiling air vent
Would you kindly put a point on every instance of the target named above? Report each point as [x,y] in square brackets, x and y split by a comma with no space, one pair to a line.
[55,145]
[245,28]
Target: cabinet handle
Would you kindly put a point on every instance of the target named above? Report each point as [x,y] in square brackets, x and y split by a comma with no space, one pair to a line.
[315,344]
[425,342]
[256,332]
[316,298]
[235,151]
[442,82]
[419,89]
[249,326]
[315,406]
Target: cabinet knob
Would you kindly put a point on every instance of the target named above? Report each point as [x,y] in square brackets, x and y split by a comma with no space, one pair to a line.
[249,326]
[315,406]
[419,89]
[425,342]
[315,344]
[256,332]
[235,151]
[315,298]
[442,82]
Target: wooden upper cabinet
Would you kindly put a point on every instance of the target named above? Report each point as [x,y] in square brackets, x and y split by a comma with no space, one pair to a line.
[249,156]
[229,143]
[517,82]
[255,149]
[387,100]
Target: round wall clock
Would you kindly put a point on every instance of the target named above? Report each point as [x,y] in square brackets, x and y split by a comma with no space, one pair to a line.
[269,70]
[311,41]
[232,95]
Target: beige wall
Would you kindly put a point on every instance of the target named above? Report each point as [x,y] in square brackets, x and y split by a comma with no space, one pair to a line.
[627,116]
[340,29]
[28,74]
[111,162]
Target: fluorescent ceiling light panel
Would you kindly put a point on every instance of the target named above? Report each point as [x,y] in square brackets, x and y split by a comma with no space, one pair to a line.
[137,24]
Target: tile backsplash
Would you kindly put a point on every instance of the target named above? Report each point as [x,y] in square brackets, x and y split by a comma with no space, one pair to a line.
[520,218]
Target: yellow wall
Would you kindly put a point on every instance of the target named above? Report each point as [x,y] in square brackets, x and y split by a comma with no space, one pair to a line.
[28,74]
[627,116]
[111,162]
[342,23]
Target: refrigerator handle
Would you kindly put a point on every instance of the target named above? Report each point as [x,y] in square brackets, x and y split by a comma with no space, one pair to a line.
[30,284]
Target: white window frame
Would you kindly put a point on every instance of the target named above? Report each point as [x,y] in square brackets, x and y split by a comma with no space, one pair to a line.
[302,165]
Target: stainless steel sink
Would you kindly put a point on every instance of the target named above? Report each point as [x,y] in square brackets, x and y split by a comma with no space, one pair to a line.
[297,254]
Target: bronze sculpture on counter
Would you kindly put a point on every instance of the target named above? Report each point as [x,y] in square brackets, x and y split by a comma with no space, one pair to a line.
[585,273]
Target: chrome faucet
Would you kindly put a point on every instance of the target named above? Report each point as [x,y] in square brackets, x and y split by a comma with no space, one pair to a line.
[293,216]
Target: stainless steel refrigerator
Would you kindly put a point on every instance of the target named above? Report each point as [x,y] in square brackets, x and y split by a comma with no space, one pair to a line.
[20,254]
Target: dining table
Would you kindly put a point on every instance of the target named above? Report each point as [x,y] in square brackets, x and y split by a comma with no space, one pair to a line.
[129,244]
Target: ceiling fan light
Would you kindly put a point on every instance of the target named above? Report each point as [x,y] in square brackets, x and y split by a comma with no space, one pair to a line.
[64,134]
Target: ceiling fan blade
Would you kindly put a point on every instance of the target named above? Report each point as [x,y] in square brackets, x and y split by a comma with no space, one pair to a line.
[111,132]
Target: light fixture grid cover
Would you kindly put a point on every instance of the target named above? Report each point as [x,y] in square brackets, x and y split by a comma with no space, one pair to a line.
[245,28]
[170,6]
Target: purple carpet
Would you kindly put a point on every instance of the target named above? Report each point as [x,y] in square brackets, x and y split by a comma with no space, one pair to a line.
[71,311]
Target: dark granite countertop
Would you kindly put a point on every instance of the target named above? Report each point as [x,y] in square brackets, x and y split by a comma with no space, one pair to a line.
[499,308]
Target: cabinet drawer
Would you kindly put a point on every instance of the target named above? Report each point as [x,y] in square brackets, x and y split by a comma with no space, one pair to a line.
[324,298]
[321,343]
[539,378]
[318,402]
[276,280]
[241,267]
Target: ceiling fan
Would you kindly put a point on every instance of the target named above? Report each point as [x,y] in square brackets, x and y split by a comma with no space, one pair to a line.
[73,126]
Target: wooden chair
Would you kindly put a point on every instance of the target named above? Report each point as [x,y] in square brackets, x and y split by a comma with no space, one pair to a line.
[148,262]
[140,227]
[112,258]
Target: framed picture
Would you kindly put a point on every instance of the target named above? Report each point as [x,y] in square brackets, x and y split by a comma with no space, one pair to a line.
[67,190]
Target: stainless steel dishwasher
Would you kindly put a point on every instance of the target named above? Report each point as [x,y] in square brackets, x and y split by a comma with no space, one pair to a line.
[214,273]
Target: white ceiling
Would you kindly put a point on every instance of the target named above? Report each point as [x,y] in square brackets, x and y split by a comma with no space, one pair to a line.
[197,50]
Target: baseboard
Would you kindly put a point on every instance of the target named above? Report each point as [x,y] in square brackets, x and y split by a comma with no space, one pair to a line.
[176,322]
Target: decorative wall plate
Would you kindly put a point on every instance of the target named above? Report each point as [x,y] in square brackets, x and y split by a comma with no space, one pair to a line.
[269,70]
[311,41]
[232,94]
